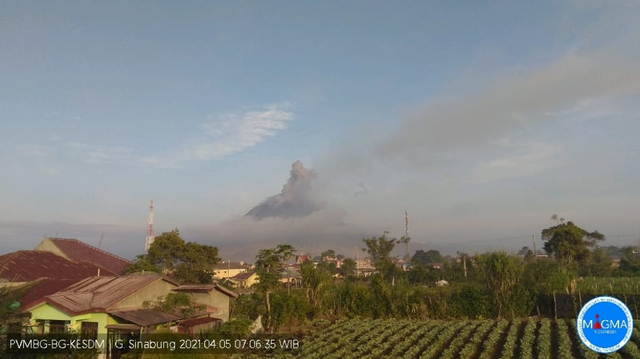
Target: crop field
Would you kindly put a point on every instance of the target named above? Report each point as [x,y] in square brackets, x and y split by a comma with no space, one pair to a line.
[543,339]
[613,285]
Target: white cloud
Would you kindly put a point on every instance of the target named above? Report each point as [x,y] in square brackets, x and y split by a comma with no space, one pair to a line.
[222,136]
[234,132]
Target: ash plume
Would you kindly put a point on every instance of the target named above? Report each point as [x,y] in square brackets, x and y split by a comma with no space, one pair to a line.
[295,200]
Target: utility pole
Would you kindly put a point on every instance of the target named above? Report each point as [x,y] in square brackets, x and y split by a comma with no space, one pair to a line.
[357,263]
[464,264]
[406,230]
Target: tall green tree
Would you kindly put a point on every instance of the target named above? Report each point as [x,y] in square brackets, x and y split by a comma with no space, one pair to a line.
[142,264]
[268,265]
[405,240]
[379,249]
[569,243]
[428,257]
[501,275]
[190,262]
[328,255]
[313,279]
[348,267]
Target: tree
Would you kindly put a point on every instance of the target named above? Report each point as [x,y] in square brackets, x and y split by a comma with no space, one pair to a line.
[348,267]
[570,243]
[380,250]
[328,254]
[524,251]
[428,257]
[422,274]
[500,273]
[166,250]
[268,265]
[190,262]
[176,303]
[329,267]
[142,264]
[313,279]
[405,240]
[597,264]
[10,298]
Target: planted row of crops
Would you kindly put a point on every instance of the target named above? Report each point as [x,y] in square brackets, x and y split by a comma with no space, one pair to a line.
[473,339]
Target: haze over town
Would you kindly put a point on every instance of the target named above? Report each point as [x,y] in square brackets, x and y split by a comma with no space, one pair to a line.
[318,124]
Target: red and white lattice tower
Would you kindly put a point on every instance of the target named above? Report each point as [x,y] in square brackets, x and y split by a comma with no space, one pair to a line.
[150,236]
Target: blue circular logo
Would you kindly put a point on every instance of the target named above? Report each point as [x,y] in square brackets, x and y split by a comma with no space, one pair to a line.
[605,324]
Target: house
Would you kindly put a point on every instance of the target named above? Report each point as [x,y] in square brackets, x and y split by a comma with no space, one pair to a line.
[245,280]
[26,266]
[215,297]
[98,302]
[77,251]
[301,258]
[291,275]
[229,269]
[39,273]
[197,325]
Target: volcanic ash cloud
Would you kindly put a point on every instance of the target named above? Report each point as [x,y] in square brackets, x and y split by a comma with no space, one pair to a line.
[295,200]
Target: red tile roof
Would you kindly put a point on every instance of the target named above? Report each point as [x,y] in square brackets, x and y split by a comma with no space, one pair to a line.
[82,252]
[36,291]
[27,266]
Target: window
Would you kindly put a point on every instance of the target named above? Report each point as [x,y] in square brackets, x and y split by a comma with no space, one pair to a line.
[89,330]
[57,326]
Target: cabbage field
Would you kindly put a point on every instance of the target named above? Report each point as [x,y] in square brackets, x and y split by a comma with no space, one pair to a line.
[472,339]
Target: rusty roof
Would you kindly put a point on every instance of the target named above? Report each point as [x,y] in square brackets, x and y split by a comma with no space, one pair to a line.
[198,321]
[83,252]
[27,266]
[243,276]
[232,265]
[144,317]
[97,294]
[205,288]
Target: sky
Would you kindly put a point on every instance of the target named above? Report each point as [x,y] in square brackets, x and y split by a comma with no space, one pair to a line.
[481,119]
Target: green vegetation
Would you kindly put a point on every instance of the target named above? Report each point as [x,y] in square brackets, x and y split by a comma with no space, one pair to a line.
[189,262]
[503,339]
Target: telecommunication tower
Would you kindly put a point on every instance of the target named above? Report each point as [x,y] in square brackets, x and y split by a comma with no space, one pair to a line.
[150,236]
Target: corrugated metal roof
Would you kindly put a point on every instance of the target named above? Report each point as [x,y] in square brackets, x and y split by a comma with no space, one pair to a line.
[232,265]
[198,321]
[205,288]
[144,317]
[243,276]
[99,293]
[202,288]
[27,266]
[83,252]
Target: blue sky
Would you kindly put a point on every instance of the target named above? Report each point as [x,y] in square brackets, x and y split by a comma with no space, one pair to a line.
[481,119]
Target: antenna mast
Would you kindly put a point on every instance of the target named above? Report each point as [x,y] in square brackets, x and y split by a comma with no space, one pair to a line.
[406,232]
[406,224]
[150,236]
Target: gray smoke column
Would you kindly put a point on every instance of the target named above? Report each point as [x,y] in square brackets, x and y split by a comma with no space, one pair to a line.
[295,200]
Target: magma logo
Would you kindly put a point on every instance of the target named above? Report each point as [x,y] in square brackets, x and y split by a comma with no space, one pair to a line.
[605,324]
